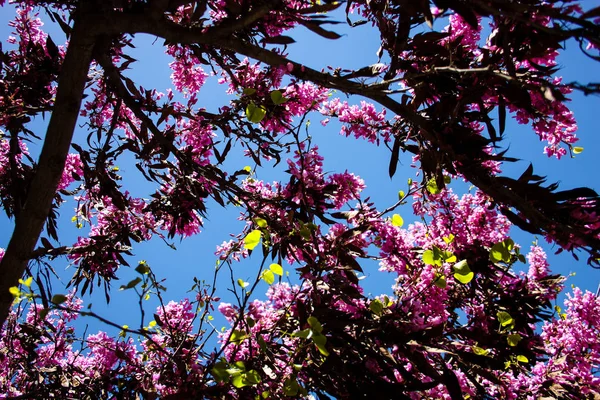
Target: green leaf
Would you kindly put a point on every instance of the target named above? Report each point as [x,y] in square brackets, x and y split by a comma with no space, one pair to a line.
[401,194]
[429,257]
[577,150]
[131,284]
[305,232]
[376,306]
[290,387]
[462,267]
[523,359]
[440,281]
[253,377]
[449,256]
[58,299]
[27,282]
[268,276]
[397,220]
[505,319]
[242,283]
[142,268]
[44,312]
[464,279]
[513,339]
[304,334]
[237,336]
[320,340]
[276,269]
[463,273]
[255,113]
[479,351]
[448,239]
[315,325]
[501,251]
[219,371]
[277,98]
[252,239]
[249,91]
[14,291]
[238,381]
[260,222]
[432,187]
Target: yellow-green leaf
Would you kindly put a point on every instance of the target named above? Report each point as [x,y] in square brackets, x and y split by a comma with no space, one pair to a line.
[237,336]
[252,239]
[505,319]
[397,220]
[242,283]
[277,98]
[577,150]
[432,187]
[440,281]
[14,291]
[26,282]
[268,277]
[513,339]
[464,279]
[260,222]
[376,306]
[428,257]
[522,359]
[276,269]
[463,273]
[315,325]
[255,113]
[480,351]
[448,239]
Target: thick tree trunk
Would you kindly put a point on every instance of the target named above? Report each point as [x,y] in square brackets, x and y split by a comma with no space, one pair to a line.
[31,219]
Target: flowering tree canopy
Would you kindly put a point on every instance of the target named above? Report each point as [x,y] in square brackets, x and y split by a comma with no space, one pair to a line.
[459,322]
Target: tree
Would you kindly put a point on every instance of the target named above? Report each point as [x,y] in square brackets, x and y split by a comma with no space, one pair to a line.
[460,322]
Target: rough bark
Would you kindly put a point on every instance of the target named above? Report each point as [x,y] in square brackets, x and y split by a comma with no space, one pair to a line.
[30,222]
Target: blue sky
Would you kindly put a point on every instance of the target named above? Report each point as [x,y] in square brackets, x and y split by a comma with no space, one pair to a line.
[356,48]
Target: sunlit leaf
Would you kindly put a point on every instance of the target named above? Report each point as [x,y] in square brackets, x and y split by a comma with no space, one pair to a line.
[376,306]
[255,113]
[276,269]
[397,220]
[428,257]
[480,351]
[462,272]
[252,239]
[260,222]
[268,276]
[440,281]
[505,319]
[432,187]
[238,336]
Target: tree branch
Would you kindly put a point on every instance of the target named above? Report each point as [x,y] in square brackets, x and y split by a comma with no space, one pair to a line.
[30,222]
